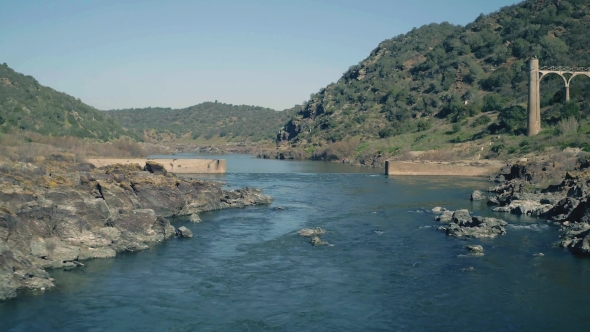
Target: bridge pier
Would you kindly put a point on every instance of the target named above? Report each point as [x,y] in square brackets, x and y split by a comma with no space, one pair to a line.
[534,107]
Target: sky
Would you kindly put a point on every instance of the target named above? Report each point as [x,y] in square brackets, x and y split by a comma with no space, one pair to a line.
[176,53]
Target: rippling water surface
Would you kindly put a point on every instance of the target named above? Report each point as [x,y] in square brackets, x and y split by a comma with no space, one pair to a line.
[387,269]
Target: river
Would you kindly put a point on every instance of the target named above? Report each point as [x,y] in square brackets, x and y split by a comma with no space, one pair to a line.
[387,268]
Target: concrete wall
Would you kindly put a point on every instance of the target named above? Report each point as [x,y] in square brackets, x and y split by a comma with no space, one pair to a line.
[444,169]
[171,165]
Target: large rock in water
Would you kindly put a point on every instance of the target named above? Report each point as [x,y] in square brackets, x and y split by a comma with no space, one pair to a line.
[462,218]
[316,242]
[461,224]
[312,232]
[475,250]
[478,228]
[576,238]
[477,196]
[445,217]
[525,207]
[184,232]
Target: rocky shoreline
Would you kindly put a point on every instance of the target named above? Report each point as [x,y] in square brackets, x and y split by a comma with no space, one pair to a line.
[557,192]
[56,213]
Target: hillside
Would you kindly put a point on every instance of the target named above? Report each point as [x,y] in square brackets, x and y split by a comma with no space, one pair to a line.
[440,84]
[26,105]
[205,121]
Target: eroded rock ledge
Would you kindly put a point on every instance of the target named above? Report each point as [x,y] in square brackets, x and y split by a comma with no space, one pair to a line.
[56,213]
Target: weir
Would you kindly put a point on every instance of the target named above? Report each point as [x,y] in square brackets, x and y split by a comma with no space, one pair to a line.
[179,166]
[536,74]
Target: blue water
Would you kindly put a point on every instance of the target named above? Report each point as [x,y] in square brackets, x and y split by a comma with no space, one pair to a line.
[388,269]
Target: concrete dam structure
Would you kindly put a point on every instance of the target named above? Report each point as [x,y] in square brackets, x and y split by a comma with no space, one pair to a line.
[178,166]
[460,168]
[536,74]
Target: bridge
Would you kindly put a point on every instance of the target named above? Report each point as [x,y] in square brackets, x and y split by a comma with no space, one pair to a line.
[536,75]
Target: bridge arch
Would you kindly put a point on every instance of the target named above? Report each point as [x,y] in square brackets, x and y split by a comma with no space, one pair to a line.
[535,77]
[543,75]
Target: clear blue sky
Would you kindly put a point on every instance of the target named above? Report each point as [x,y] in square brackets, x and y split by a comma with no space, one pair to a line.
[119,54]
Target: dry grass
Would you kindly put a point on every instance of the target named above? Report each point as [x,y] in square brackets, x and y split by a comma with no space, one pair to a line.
[337,151]
[566,126]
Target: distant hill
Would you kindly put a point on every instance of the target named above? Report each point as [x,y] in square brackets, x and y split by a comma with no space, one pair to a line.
[206,121]
[27,105]
[442,74]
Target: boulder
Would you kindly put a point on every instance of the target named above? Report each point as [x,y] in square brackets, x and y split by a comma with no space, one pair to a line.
[155,168]
[576,238]
[475,249]
[446,217]
[461,217]
[184,232]
[438,209]
[477,196]
[477,227]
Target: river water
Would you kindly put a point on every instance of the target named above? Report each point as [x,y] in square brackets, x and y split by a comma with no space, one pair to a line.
[387,268]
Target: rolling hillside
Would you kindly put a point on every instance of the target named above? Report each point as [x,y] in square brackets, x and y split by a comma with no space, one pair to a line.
[205,121]
[26,105]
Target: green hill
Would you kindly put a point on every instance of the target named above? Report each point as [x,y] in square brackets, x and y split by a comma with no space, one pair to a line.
[26,105]
[206,121]
[429,87]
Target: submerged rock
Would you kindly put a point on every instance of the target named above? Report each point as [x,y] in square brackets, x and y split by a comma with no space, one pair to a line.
[312,232]
[195,218]
[476,250]
[184,232]
[316,241]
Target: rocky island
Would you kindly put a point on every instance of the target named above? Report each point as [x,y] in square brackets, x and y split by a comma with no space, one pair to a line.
[56,213]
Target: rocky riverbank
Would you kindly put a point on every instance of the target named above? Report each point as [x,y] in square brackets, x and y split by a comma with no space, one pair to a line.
[55,213]
[556,190]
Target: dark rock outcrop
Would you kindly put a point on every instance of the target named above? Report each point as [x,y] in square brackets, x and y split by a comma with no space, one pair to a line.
[155,168]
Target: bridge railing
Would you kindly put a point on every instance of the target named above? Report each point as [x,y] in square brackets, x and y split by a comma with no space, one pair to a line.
[569,69]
